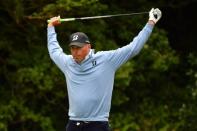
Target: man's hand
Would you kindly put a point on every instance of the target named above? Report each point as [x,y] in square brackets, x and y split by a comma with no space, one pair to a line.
[54,21]
[155,15]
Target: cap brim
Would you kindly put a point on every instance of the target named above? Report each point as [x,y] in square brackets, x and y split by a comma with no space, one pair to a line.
[77,44]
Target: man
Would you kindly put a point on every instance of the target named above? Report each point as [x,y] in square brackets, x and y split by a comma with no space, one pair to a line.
[90,76]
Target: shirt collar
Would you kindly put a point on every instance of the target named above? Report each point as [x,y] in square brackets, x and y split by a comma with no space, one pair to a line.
[89,55]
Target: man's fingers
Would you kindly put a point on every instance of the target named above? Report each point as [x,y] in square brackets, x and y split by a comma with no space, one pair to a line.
[55,20]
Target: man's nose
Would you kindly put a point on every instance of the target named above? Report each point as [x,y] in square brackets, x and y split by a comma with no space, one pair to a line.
[75,51]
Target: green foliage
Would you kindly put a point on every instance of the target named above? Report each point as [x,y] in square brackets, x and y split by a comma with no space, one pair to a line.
[122,123]
[15,113]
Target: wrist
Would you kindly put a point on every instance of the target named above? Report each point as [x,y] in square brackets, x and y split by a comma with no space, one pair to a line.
[50,24]
[151,22]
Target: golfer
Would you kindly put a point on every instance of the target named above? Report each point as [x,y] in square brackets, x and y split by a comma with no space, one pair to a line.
[90,76]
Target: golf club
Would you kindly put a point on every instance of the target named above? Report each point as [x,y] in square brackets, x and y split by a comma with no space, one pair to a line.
[98,17]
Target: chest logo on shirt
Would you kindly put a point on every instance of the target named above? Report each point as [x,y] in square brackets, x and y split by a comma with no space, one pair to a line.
[93,63]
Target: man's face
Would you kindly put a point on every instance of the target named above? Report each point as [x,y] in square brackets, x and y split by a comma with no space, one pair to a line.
[79,53]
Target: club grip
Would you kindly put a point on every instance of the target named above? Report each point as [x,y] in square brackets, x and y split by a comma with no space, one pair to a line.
[64,20]
[67,19]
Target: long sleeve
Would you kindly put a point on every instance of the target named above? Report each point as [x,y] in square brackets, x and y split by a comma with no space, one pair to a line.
[121,55]
[55,51]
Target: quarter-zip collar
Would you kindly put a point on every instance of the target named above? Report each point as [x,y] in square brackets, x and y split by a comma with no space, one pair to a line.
[89,55]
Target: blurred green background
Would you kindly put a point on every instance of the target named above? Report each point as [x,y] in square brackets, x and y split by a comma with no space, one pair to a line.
[154,91]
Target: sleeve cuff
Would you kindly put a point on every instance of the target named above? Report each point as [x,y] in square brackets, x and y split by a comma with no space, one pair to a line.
[149,27]
[51,29]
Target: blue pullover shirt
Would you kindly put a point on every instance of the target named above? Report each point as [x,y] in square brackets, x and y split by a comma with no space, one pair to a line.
[90,83]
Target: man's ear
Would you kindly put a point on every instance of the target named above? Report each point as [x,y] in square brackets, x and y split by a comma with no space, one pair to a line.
[89,45]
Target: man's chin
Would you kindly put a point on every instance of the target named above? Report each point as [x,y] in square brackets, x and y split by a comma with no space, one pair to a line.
[77,60]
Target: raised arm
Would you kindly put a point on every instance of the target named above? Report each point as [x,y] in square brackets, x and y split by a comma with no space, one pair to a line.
[55,51]
[121,55]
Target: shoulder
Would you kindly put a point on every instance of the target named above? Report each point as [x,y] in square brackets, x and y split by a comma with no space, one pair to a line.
[103,53]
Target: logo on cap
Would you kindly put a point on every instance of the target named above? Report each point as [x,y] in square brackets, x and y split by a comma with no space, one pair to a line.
[79,39]
[75,37]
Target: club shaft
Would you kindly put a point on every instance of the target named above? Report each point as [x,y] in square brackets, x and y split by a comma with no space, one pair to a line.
[98,17]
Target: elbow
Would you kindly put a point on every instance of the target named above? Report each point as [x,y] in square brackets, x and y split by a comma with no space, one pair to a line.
[52,57]
[136,53]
